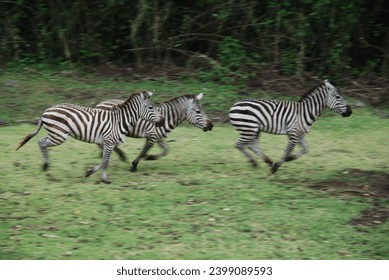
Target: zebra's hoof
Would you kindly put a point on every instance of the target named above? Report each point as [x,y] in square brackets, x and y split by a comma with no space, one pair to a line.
[106,181]
[275,167]
[123,158]
[269,161]
[45,167]
[89,172]
[134,166]
[290,158]
[151,157]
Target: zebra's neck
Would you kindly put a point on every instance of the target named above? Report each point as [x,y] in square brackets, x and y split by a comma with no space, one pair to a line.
[126,116]
[312,106]
[174,113]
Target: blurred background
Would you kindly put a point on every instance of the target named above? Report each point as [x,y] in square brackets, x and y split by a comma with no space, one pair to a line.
[239,39]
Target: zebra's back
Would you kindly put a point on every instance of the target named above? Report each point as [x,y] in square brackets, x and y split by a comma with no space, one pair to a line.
[82,123]
[142,128]
[271,116]
[109,104]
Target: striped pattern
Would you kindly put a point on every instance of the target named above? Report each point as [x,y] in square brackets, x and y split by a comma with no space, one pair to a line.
[174,112]
[82,123]
[104,127]
[253,116]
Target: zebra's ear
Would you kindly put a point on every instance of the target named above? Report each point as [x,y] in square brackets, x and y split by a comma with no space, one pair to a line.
[328,84]
[199,96]
[148,94]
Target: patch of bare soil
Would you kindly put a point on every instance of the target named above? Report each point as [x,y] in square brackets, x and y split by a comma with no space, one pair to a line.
[371,216]
[357,182]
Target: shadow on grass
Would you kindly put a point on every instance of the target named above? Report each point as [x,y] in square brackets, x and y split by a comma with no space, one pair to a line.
[369,184]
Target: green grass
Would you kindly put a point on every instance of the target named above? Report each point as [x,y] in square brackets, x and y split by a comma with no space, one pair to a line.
[202,201]
[24,96]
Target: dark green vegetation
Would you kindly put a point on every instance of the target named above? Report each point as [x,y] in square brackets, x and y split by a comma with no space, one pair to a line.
[233,40]
[202,201]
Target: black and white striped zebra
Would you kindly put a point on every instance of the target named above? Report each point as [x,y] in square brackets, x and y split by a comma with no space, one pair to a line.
[252,116]
[174,112]
[105,127]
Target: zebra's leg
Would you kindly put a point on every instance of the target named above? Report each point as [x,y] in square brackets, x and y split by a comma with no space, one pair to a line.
[148,145]
[293,140]
[241,146]
[254,146]
[165,151]
[118,151]
[107,151]
[304,149]
[49,141]
[92,170]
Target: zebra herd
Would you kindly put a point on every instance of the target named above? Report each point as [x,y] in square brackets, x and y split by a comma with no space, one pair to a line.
[111,121]
[174,112]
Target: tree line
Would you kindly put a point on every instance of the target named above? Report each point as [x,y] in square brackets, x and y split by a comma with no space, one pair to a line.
[295,37]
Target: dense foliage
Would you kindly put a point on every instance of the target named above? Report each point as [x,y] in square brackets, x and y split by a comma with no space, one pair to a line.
[295,37]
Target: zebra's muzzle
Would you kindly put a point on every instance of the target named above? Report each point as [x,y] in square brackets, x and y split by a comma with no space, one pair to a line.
[348,111]
[208,127]
[160,122]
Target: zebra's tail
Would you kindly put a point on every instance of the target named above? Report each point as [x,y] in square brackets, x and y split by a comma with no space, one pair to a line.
[29,136]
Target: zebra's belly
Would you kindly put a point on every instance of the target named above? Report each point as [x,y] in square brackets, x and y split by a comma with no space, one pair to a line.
[84,138]
[98,140]
[135,134]
[274,129]
[90,132]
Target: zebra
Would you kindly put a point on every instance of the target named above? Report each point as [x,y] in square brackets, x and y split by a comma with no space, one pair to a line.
[174,112]
[105,127]
[295,119]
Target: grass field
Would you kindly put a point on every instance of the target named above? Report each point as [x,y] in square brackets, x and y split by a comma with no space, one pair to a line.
[202,201]
[26,95]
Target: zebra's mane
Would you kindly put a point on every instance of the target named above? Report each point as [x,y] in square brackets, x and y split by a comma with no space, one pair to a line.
[113,103]
[309,92]
[75,106]
[133,96]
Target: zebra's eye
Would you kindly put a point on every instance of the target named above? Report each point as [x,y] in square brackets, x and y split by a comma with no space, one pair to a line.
[150,107]
[198,111]
[337,96]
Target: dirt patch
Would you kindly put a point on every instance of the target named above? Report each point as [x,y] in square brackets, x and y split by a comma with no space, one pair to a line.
[371,216]
[357,182]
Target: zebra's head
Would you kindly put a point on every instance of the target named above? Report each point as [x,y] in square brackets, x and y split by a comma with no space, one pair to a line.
[196,114]
[146,109]
[335,101]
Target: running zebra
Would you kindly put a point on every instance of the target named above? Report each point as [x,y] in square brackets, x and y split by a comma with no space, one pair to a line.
[174,111]
[105,127]
[295,119]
